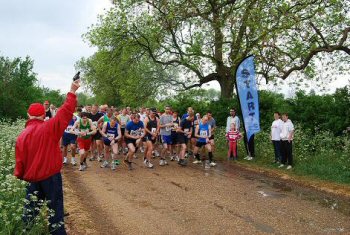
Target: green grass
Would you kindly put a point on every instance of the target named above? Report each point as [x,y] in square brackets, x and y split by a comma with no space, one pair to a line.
[321,156]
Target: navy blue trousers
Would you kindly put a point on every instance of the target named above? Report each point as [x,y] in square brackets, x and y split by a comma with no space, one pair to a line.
[277,148]
[50,190]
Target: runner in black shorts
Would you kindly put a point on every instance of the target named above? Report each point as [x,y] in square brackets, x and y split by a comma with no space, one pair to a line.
[152,131]
[134,132]
[174,145]
[184,132]
[97,143]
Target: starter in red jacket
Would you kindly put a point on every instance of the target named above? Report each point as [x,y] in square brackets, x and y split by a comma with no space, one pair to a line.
[38,154]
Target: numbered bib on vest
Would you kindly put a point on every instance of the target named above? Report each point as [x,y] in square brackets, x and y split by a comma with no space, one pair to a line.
[68,128]
[109,135]
[175,126]
[153,130]
[133,133]
[203,134]
[168,128]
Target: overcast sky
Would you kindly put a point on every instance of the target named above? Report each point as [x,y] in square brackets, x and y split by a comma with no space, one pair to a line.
[50,33]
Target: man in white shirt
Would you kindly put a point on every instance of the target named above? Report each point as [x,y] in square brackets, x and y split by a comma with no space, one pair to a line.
[275,136]
[287,135]
[232,119]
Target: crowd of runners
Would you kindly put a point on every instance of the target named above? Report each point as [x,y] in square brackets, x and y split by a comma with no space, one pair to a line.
[113,136]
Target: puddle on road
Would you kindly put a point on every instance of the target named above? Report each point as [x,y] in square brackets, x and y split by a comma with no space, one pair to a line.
[277,189]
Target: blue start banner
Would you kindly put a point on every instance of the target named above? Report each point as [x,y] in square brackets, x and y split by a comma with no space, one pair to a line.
[248,96]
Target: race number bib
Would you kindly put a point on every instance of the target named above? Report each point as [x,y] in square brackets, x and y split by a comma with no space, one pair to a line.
[175,126]
[140,132]
[168,128]
[109,135]
[153,130]
[46,118]
[133,133]
[231,136]
[68,128]
[203,134]
[94,123]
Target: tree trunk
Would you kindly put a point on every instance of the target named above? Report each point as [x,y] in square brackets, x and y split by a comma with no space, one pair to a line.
[227,84]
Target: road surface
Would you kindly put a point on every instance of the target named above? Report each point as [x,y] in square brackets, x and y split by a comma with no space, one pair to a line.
[192,200]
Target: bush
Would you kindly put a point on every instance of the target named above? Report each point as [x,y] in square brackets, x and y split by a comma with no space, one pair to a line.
[12,190]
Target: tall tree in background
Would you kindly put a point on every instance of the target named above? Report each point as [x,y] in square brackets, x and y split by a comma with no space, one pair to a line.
[18,86]
[206,39]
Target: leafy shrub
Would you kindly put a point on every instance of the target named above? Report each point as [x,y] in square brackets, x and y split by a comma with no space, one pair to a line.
[12,190]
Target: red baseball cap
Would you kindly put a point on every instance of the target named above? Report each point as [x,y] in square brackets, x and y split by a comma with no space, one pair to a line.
[36,110]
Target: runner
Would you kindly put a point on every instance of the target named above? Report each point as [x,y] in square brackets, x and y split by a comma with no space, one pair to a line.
[70,140]
[111,134]
[97,143]
[203,134]
[212,123]
[184,132]
[193,136]
[134,132]
[123,119]
[85,129]
[48,113]
[152,130]
[174,144]
[166,123]
[53,110]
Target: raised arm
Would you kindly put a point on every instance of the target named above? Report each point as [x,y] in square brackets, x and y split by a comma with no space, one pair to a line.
[56,125]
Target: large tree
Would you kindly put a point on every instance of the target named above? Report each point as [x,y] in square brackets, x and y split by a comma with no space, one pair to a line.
[206,39]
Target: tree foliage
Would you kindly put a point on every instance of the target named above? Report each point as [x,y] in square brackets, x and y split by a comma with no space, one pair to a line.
[19,88]
[206,40]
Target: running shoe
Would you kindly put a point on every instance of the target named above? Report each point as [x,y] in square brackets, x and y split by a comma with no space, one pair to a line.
[73,162]
[182,162]
[197,162]
[82,168]
[92,159]
[113,166]
[172,158]
[212,164]
[130,165]
[161,162]
[289,167]
[177,158]
[156,153]
[104,164]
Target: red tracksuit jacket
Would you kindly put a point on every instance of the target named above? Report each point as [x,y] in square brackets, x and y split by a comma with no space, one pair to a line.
[38,154]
